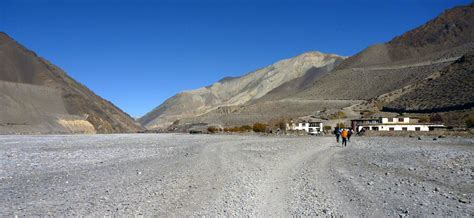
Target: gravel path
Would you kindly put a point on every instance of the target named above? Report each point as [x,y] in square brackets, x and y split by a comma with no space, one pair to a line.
[195,175]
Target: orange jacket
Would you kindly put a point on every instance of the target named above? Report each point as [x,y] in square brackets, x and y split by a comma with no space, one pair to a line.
[344,133]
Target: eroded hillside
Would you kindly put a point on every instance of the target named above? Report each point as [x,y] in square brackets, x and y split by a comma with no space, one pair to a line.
[38,97]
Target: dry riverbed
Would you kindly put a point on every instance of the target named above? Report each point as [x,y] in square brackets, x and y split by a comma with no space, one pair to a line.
[173,174]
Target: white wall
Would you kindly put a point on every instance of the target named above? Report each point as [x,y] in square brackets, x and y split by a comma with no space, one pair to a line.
[395,120]
[305,127]
[399,127]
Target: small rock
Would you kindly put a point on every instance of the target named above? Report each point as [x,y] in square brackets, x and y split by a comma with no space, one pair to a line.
[441,136]
[463,200]
[370,183]
[139,173]
[419,137]
[434,139]
[436,189]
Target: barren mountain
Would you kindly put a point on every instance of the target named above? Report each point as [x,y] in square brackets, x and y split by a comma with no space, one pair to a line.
[404,60]
[38,97]
[376,71]
[236,91]
[450,89]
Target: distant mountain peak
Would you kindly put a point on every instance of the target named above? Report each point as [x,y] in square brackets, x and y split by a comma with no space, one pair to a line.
[231,91]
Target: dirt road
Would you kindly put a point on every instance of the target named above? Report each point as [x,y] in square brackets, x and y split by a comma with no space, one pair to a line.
[170,174]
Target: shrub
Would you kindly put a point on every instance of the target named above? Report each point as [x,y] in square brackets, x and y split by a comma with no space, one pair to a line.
[436,118]
[423,119]
[212,129]
[470,121]
[259,127]
[338,115]
[282,125]
[341,125]
[245,128]
[327,128]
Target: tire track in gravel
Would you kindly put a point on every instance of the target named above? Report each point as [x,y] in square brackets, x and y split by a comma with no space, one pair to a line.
[316,192]
[228,175]
[276,191]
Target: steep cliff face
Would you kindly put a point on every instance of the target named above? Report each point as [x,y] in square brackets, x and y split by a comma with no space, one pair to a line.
[236,91]
[38,97]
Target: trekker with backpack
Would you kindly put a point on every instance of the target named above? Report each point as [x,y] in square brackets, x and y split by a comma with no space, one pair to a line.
[344,135]
[337,133]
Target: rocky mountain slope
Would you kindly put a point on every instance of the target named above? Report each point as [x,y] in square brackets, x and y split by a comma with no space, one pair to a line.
[38,97]
[450,89]
[237,91]
[404,60]
[379,70]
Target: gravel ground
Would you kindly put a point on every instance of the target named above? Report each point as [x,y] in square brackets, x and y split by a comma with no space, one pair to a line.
[195,175]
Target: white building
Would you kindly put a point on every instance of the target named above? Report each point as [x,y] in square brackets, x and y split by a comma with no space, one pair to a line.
[393,124]
[311,126]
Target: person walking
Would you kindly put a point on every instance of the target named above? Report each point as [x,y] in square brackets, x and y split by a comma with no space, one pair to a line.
[349,134]
[344,135]
[337,133]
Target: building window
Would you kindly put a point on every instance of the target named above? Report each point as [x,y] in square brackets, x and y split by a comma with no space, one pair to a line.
[313,124]
[375,128]
[391,129]
[400,120]
[390,120]
[417,128]
[405,128]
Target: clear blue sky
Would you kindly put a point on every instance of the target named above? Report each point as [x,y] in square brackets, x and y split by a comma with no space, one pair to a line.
[139,53]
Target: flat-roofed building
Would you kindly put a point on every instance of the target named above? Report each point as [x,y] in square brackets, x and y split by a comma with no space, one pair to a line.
[393,124]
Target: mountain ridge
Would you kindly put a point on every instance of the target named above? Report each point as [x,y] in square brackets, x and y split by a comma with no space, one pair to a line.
[377,70]
[235,91]
[75,108]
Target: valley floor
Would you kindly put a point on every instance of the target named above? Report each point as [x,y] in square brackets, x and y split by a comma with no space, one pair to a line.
[182,175]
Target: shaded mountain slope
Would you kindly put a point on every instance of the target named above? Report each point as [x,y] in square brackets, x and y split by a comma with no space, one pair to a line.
[451,89]
[451,29]
[235,91]
[404,60]
[38,97]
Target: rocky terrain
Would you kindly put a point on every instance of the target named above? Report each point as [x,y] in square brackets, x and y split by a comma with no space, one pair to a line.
[196,175]
[380,72]
[407,59]
[240,90]
[440,92]
[38,97]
